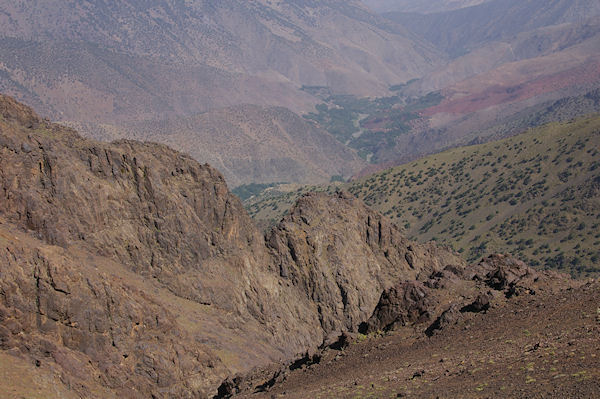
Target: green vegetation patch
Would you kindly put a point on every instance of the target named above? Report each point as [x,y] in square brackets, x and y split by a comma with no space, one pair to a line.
[247,191]
[535,196]
[369,125]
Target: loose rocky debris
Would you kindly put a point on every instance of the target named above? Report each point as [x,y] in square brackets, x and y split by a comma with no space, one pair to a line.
[527,346]
[481,304]
[466,289]
[513,277]
[449,317]
[342,341]
[262,379]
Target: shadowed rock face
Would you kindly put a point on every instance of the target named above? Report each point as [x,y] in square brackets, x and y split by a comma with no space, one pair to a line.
[407,302]
[132,270]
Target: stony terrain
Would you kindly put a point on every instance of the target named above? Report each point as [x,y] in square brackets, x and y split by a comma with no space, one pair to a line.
[130,270]
[542,345]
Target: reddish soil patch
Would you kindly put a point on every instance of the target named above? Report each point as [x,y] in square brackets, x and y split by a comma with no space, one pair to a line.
[501,94]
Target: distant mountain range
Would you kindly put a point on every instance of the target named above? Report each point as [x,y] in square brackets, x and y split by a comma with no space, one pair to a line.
[463,30]
[420,6]
[388,87]
[132,59]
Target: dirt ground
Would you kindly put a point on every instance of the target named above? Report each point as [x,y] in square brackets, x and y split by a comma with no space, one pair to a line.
[534,346]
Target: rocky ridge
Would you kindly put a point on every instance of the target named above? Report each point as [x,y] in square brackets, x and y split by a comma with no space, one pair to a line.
[249,143]
[130,270]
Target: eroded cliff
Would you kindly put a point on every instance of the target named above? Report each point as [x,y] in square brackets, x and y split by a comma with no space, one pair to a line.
[129,269]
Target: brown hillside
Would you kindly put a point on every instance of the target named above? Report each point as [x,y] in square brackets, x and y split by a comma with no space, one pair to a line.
[250,143]
[543,345]
[106,62]
[130,270]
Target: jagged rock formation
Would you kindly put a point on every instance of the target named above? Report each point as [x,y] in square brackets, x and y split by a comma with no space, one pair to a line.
[103,336]
[250,143]
[407,302]
[129,269]
[342,255]
[446,294]
[448,300]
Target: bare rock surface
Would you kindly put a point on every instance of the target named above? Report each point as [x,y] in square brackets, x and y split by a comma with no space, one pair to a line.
[342,255]
[130,270]
[407,302]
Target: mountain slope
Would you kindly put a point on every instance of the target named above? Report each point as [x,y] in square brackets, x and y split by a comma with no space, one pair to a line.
[536,345]
[256,49]
[423,6]
[481,90]
[129,270]
[533,195]
[250,144]
[100,66]
[463,30]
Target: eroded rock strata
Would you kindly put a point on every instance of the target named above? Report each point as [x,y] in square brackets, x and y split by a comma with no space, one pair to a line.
[128,269]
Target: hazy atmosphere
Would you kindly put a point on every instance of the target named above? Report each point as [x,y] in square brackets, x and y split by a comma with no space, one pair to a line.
[299,199]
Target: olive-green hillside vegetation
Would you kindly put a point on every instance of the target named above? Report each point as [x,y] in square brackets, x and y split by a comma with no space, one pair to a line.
[535,195]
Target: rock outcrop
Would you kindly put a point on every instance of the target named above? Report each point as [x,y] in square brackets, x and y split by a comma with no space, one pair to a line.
[513,277]
[341,255]
[407,302]
[130,270]
[450,294]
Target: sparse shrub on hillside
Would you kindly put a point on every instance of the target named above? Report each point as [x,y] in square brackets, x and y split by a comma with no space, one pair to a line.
[526,201]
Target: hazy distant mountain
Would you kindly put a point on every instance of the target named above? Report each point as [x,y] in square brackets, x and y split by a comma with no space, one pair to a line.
[130,58]
[420,6]
[249,143]
[508,56]
[462,30]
